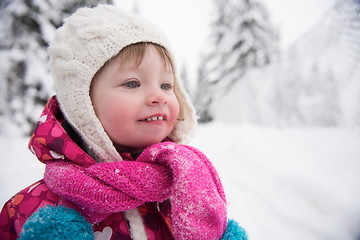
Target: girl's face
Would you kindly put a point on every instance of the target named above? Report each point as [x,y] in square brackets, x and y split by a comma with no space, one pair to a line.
[136,104]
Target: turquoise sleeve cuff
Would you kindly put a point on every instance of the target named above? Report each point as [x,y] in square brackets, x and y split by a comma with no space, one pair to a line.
[56,223]
[234,232]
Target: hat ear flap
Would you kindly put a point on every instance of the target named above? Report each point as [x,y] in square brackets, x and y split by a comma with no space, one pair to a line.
[187,122]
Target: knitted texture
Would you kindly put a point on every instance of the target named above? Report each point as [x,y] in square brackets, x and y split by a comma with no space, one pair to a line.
[162,171]
[56,223]
[86,41]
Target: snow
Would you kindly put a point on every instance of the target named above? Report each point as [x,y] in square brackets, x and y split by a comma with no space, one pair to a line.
[281,183]
[18,166]
[288,183]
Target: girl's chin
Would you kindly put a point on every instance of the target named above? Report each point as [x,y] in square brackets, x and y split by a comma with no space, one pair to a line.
[136,148]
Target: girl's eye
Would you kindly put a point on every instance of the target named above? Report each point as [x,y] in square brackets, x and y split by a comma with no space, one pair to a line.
[166,86]
[131,84]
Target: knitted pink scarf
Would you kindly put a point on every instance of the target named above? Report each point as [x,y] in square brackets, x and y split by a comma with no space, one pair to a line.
[163,171]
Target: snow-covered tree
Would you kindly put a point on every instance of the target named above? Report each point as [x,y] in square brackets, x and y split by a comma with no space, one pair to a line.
[320,73]
[26,28]
[241,38]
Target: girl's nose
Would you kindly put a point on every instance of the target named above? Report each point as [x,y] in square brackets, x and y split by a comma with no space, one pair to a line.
[156,97]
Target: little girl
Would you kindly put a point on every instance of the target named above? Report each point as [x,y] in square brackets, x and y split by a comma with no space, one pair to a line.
[111,141]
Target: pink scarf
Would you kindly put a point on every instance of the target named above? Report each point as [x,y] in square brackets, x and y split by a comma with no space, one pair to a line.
[163,171]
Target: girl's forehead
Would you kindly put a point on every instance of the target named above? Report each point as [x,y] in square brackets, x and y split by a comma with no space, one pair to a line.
[130,59]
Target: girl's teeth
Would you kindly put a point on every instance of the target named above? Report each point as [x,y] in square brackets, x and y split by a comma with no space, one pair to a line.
[155,118]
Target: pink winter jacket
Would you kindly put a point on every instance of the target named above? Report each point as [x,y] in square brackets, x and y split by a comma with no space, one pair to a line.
[54,138]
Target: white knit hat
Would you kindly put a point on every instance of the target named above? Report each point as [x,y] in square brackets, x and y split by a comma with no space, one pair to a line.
[89,38]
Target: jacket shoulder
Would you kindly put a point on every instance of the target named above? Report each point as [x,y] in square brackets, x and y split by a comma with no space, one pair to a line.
[20,207]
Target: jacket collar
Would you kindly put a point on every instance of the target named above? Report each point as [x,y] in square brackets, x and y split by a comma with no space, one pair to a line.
[50,141]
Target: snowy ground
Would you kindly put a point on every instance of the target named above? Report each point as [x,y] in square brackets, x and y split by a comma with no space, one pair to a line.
[281,183]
